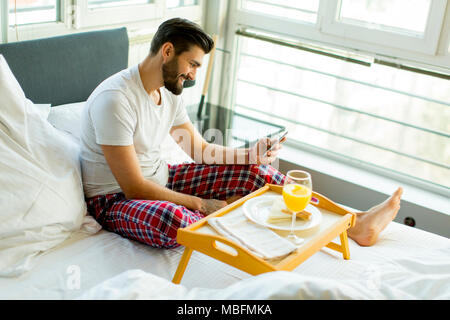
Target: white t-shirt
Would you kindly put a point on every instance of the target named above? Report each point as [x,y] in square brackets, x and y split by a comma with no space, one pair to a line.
[121,113]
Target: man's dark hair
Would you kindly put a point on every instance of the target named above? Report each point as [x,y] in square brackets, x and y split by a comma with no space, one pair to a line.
[182,33]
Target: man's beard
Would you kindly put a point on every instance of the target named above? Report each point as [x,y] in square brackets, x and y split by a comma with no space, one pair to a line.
[171,77]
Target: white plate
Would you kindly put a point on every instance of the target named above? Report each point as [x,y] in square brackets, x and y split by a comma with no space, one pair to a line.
[258,209]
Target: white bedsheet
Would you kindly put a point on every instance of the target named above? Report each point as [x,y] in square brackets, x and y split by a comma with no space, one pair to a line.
[280,285]
[406,263]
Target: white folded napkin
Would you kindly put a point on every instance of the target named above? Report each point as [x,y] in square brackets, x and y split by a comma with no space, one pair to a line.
[260,240]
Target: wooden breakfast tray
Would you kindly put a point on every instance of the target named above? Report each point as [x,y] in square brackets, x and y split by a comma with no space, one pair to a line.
[203,238]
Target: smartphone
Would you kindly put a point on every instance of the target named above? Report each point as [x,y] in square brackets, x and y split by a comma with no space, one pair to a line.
[281,136]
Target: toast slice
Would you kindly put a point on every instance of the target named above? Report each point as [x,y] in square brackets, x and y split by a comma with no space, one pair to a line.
[280,213]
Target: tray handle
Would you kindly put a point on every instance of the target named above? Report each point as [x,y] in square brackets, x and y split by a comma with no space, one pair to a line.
[209,244]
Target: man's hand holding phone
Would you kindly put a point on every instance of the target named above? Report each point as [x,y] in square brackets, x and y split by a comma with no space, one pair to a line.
[265,151]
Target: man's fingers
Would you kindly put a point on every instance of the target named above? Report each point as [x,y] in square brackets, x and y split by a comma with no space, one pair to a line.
[276,147]
[277,143]
[274,150]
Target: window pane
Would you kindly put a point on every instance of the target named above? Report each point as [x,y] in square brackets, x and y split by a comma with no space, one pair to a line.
[180,3]
[390,15]
[303,10]
[388,117]
[96,4]
[33,11]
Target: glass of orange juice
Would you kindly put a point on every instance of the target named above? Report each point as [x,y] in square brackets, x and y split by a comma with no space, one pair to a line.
[297,192]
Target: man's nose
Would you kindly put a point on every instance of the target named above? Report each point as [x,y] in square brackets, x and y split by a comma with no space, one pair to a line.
[191,74]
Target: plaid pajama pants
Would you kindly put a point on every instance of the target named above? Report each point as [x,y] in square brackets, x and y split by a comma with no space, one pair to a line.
[156,222]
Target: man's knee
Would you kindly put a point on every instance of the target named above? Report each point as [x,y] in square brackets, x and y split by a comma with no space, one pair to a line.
[168,218]
[152,223]
[171,218]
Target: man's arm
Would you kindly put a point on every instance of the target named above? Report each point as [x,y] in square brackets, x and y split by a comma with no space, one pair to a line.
[124,165]
[191,141]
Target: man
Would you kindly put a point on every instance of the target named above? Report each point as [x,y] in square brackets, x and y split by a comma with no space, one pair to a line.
[131,191]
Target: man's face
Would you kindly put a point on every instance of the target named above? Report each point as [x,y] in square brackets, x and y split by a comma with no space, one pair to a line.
[180,68]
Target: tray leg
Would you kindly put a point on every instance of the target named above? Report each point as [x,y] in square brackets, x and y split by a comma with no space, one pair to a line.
[344,245]
[182,265]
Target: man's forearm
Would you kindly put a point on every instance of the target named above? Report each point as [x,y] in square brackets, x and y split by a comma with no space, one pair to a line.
[217,154]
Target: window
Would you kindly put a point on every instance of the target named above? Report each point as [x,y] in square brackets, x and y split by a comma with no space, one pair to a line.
[98,4]
[389,15]
[399,29]
[107,12]
[414,25]
[292,9]
[91,13]
[180,3]
[29,19]
[191,9]
[22,12]
[349,85]
[391,118]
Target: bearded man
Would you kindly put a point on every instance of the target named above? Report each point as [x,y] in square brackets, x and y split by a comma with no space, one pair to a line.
[130,190]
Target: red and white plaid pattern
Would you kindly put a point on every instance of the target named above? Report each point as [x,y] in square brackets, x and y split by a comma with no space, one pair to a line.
[156,222]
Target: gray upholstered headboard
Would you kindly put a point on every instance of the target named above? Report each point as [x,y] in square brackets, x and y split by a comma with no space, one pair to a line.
[66,69]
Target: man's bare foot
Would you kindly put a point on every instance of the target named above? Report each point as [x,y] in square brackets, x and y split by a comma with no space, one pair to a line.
[370,223]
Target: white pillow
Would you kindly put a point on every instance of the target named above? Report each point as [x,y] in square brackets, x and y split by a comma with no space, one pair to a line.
[67,118]
[44,109]
[42,200]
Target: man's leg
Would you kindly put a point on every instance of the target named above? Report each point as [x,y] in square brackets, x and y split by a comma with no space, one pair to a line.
[222,182]
[151,222]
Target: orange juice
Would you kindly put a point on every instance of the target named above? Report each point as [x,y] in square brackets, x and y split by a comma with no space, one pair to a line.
[296,197]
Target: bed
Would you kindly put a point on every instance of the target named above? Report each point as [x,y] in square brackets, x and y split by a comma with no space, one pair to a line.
[75,259]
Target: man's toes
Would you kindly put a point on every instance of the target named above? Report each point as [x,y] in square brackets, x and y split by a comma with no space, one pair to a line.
[394,200]
[398,193]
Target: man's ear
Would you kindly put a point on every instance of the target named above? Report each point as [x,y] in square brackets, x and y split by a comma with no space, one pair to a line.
[167,51]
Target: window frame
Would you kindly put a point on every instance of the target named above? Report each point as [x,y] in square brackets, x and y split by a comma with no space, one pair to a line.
[4,23]
[59,13]
[138,29]
[313,34]
[85,17]
[36,30]
[428,44]
[194,12]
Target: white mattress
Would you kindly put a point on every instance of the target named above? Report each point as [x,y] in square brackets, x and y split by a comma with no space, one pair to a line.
[404,257]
